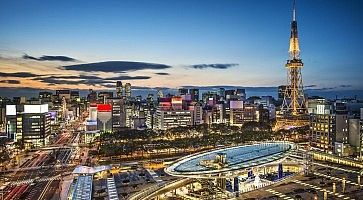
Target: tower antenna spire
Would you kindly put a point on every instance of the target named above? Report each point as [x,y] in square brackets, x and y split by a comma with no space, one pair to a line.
[294,11]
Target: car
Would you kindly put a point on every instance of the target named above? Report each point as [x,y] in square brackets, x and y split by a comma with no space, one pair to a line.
[310,190]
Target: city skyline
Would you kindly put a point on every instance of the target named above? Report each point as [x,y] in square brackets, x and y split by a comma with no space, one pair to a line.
[239,46]
[195,99]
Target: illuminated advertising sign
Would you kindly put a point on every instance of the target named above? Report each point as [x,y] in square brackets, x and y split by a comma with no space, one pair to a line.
[104,107]
[176,100]
[36,108]
[10,109]
[91,123]
[236,104]
[53,115]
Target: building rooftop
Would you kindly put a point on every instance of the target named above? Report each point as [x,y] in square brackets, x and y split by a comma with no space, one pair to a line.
[83,188]
[237,158]
[90,170]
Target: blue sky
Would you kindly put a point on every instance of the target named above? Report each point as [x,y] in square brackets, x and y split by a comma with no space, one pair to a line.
[252,34]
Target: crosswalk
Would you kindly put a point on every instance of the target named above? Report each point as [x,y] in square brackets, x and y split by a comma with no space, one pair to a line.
[29,181]
[279,194]
[337,179]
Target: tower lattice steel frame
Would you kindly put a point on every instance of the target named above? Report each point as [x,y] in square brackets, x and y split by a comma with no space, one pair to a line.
[294,99]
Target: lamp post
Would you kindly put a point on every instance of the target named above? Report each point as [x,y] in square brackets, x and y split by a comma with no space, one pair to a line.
[358,181]
[343,186]
[325,195]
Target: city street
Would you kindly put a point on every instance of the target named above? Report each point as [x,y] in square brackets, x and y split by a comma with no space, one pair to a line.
[40,174]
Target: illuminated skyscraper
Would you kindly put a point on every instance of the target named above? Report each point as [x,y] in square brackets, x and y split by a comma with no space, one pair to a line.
[119,89]
[29,124]
[194,92]
[128,90]
[160,94]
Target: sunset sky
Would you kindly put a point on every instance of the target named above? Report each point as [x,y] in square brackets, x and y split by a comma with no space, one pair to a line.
[173,43]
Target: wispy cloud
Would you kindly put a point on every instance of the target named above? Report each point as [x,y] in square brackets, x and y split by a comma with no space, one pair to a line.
[345,86]
[310,86]
[10,81]
[333,88]
[115,66]
[86,79]
[50,58]
[214,66]
[18,74]
[162,73]
[121,78]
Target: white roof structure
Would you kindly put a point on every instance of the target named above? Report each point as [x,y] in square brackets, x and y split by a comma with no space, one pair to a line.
[237,158]
[90,170]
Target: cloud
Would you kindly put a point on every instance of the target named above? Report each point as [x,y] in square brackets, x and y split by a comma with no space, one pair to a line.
[18,74]
[10,81]
[228,87]
[85,79]
[162,73]
[310,86]
[333,88]
[115,66]
[121,78]
[112,86]
[50,58]
[345,86]
[214,66]
[68,77]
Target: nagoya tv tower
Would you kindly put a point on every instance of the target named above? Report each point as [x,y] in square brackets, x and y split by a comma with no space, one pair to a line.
[294,105]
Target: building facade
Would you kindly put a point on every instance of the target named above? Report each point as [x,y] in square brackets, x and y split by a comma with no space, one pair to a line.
[28,124]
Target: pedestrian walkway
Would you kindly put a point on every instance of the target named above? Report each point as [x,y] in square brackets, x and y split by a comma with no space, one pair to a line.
[111,189]
[155,176]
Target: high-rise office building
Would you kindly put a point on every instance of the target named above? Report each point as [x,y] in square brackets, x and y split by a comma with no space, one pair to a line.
[194,92]
[118,113]
[29,124]
[64,93]
[102,96]
[119,89]
[218,113]
[75,96]
[242,93]
[183,91]
[104,117]
[92,96]
[197,109]
[160,94]
[222,94]
[170,113]
[166,119]
[356,135]
[128,90]
[45,96]
[322,128]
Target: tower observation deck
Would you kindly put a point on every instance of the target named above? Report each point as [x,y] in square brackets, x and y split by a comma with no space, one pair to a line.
[293,110]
